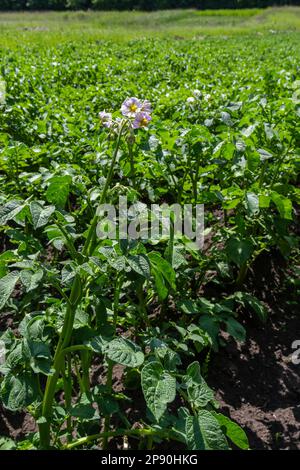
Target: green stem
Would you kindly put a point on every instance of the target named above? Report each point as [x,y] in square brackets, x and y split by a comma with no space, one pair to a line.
[125,432]
[195,181]
[262,175]
[242,274]
[171,241]
[68,395]
[142,306]
[118,286]
[91,233]
[64,339]
[280,162]
[69,241]
[132,169]
[85,365]
[170,253]
[81,386]
[181,185]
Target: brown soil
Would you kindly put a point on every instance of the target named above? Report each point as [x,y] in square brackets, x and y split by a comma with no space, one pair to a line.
[258,386]
[256,383]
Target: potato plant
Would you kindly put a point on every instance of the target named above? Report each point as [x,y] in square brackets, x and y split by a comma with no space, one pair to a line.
[205,128]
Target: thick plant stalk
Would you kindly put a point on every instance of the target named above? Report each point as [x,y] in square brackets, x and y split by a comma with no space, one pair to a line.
[89,243]
[68,395]
[132,169]
[64,339]
[242,274]
[85,363]
[170,253]
[126,432]
[109,378]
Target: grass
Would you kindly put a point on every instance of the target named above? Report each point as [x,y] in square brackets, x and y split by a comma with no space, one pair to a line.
[52,27]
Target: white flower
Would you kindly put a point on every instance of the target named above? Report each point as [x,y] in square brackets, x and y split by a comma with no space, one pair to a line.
[141,120]
[146,107]
[106,119]
[197,93]
[131,107]
[191,100]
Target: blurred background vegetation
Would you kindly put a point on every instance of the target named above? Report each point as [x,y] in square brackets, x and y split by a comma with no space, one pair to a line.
[148,5]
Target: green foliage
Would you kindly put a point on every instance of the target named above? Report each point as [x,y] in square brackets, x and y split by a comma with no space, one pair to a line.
[142,312]
[159,388]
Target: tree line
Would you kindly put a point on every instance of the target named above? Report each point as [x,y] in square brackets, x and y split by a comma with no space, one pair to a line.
[147,5]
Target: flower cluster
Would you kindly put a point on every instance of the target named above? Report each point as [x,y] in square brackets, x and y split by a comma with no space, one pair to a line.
[136,111]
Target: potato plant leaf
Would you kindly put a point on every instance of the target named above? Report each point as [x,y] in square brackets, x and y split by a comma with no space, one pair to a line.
[203,432]
[125,352]
[159,388]
[18,391]
[233,431]
[7,285]
[198,391]
[40,214]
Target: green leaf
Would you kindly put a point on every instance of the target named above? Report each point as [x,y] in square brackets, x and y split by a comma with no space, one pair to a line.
[10,210]
[264,201]
[160,285]
[7,285]
[107,404]
[233,431]
[13,359]
[164,267]
[198,391]
[58,190]
[140,264]
[159,388]
[7,444]
[125,352]
[40,215]
[252,201]
[235,329]
[283,204]
[189,307]
[98,343]
[203,432]
[211,325]
[248,300]
[84,409]
[30,279]
[239,251]
[39,356]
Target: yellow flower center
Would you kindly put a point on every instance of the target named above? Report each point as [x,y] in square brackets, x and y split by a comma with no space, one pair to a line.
[133,108]
[144,122]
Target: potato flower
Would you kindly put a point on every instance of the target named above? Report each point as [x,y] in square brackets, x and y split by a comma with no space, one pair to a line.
[136,114]
[190,100]
[131,107]
[141,120]
[106,119]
